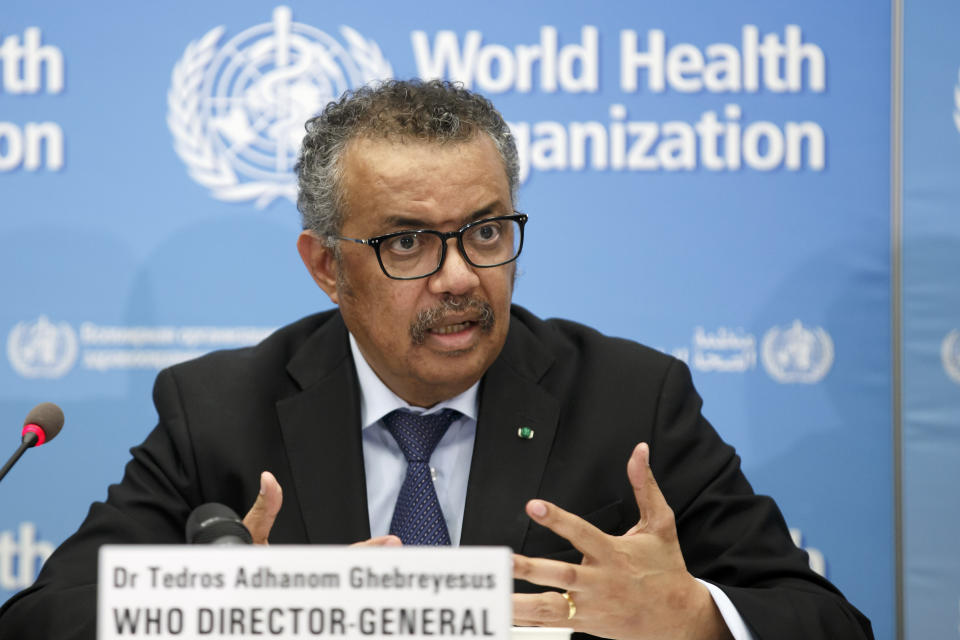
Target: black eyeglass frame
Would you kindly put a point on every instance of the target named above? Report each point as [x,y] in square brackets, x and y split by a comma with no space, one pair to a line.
[375,242]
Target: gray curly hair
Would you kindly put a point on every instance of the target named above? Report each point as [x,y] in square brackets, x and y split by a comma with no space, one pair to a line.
[435,111]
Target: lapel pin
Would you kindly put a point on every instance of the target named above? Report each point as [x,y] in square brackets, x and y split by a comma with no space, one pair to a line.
[525,433]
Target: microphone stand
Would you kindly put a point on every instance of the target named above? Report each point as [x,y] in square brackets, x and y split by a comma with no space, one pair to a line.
[29,440]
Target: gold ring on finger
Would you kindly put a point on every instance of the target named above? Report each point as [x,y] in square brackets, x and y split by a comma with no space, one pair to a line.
[571,604]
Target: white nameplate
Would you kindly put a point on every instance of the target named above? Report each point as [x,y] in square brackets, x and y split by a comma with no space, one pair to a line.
[181,591]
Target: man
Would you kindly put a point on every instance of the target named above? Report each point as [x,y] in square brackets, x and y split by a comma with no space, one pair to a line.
[551,434]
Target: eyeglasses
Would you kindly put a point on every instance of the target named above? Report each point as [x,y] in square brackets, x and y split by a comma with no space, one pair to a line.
[408,255]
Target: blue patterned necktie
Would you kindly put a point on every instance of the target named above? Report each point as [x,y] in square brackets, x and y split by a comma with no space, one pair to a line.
[417,518]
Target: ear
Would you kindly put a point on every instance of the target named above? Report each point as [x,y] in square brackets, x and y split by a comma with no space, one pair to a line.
[320,262]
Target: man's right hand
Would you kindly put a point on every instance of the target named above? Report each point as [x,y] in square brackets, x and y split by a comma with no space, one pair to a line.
[259,520]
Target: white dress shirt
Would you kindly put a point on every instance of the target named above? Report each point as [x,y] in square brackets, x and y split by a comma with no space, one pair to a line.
[385,466]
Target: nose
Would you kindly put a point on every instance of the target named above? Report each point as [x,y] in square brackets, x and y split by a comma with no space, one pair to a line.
[456,276]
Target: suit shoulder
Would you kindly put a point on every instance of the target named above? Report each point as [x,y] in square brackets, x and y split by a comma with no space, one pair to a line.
[267,359]
[568,340]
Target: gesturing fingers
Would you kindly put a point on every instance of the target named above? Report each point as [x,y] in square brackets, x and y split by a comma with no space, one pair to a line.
[549,609]
[634,585]
[655,513]
[551,573]
[585,537]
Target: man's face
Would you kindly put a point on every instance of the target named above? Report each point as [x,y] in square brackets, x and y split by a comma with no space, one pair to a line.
[427,339]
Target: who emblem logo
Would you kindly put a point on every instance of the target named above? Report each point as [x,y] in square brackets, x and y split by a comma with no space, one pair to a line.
[796,354]
[237,110]
[42,349]
[950,355]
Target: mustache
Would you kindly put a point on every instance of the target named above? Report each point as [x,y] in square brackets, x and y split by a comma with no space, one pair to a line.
[452,304]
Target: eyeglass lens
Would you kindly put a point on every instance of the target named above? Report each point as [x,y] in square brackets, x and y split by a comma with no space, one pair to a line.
[417,253]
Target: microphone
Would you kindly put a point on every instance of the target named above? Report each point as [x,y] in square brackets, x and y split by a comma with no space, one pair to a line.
[215,523]
[43,423]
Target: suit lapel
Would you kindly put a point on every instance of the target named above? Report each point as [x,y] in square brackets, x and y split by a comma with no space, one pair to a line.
[506,469]
[321,434]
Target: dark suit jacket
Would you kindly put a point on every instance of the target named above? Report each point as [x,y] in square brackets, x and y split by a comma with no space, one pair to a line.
[291,405]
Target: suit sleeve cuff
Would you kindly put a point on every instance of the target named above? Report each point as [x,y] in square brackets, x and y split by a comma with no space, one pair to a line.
[736,625]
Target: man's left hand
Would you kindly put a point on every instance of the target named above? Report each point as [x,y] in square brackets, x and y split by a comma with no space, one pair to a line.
[630,586]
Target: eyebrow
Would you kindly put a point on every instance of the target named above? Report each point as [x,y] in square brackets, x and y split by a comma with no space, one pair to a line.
[410,222]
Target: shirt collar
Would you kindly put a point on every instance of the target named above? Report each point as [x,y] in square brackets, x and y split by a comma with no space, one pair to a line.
[377,400]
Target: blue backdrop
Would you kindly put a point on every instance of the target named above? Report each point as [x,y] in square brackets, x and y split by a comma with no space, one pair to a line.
[931,319]
[709,179]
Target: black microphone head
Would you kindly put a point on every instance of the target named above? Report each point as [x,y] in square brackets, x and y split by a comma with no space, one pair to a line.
[214,523]
[48,417]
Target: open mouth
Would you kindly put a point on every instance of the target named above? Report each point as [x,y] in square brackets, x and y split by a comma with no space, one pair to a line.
[452,328]
[447,320]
